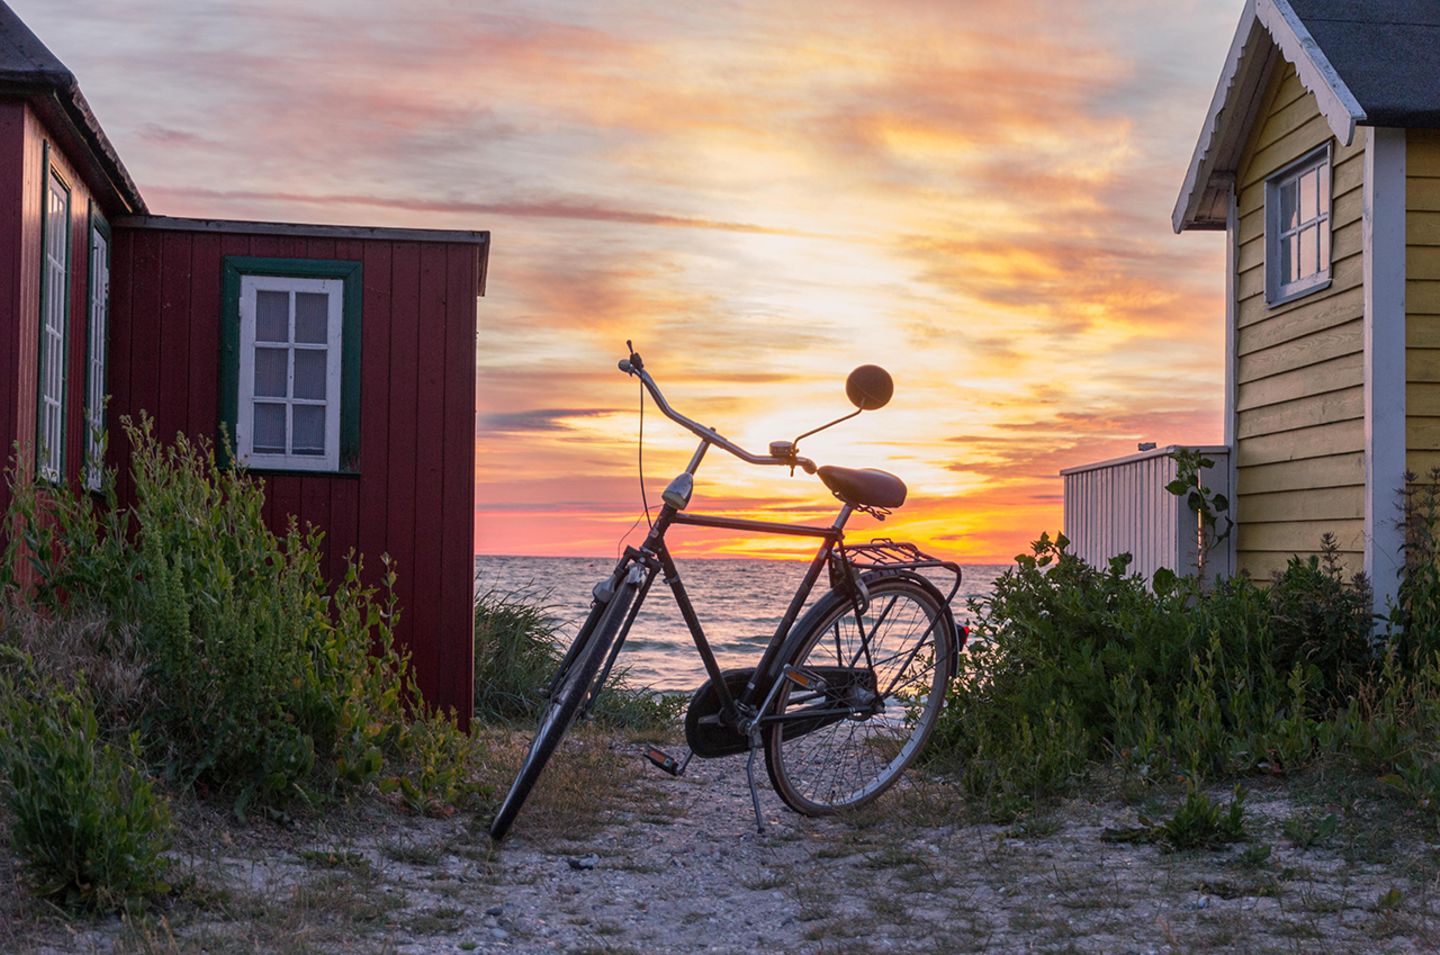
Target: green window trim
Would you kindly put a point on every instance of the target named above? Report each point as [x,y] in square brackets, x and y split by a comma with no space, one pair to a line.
[49,174]
[351,275]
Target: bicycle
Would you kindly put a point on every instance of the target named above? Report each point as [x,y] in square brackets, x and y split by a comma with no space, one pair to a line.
[842,699]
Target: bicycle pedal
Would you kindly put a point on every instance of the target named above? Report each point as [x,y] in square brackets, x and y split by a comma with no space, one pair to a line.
[662,760]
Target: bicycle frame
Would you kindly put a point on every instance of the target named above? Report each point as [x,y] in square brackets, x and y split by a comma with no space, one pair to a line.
[656,558]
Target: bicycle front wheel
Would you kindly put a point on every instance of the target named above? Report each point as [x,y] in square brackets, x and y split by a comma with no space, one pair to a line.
[876,688]
[569,689]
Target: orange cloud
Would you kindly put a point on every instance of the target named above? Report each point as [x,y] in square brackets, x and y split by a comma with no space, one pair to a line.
[762,196]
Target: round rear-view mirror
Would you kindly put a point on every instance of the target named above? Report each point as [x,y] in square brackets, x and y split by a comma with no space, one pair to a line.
[869,387]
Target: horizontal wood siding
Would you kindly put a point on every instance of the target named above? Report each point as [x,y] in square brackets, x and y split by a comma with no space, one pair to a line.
[414,496]
[1300,429]
[1422,301]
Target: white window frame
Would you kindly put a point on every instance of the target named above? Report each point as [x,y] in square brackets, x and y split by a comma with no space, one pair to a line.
[1277,290]
[97,356]
[54,321]
[245,412]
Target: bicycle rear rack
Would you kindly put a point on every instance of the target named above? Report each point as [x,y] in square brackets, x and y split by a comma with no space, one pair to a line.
[882,553]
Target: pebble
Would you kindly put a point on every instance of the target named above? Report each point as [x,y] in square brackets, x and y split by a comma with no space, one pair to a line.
[495,910]
[584,862]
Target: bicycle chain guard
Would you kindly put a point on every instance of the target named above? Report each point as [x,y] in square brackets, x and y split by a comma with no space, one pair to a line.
[705,734]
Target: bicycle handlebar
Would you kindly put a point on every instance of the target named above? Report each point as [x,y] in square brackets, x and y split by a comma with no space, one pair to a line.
[709,434]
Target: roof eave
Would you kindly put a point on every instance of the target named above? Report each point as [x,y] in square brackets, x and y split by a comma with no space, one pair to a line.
[1187,213]
[1265,25]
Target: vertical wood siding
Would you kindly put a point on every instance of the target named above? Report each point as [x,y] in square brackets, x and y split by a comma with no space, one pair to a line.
[414,497]
[1422,301]
[1300,429]
[1122,507]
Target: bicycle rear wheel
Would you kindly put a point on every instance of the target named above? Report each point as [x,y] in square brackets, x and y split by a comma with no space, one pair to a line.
[877,687]
[569,688]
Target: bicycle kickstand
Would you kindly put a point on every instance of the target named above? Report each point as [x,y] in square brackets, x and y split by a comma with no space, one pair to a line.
[750,778]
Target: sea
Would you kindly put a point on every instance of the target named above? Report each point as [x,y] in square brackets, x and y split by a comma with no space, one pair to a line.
[739,603]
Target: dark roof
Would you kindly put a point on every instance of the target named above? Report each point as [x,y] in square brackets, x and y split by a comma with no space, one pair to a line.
[1386,51]
[28,68]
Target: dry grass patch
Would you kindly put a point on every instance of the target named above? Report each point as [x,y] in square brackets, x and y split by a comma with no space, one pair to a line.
[586,782]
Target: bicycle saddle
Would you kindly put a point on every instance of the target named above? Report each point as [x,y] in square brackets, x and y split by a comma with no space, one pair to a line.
[864,487]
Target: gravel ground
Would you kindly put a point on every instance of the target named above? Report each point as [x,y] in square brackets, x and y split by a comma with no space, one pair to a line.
[676,865]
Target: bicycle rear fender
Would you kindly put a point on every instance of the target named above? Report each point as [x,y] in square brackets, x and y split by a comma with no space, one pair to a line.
[833,599]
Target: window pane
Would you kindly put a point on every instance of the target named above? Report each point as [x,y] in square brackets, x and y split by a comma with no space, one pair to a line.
[1288,219]
[1325,246]
[269,428]
[1308,183]
[309,429]
[1288,260]
[310,373]
[312,317]
[272,316]
[271,372]
[1325,189]
[1309,249]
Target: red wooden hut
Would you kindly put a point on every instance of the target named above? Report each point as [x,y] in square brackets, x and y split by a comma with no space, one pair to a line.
[340,359]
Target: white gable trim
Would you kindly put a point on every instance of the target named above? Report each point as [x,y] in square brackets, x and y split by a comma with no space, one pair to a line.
[1337,104]
[1265,25]
[1384,238]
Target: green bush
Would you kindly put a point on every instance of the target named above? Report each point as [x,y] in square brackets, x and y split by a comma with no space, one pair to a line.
[87,823]
[265,683]
[1322,622]
[269,687]
[1070,664]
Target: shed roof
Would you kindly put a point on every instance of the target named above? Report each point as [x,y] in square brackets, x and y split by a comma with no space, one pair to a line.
[29,69]
[1368,62]
[1387,52]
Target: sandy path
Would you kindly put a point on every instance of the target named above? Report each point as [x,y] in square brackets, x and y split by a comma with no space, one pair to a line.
[676,865]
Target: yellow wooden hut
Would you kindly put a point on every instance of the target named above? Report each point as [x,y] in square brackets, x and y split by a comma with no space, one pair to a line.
[1320,160]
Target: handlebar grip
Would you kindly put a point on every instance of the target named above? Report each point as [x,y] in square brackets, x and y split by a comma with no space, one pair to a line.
[626,367]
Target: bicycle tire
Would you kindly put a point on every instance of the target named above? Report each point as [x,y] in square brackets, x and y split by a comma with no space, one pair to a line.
[571,686]
[831,764]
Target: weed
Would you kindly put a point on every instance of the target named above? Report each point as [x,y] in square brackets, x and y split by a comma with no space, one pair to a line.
[1306,830]
[346,859]
[1254,857]
[86,820]
[1197,823]
[410,853]
[1201,823]
[438,763]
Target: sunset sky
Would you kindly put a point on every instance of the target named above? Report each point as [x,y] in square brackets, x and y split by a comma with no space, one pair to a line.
[975,194]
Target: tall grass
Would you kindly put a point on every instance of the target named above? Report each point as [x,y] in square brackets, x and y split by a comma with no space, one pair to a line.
[517,652]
